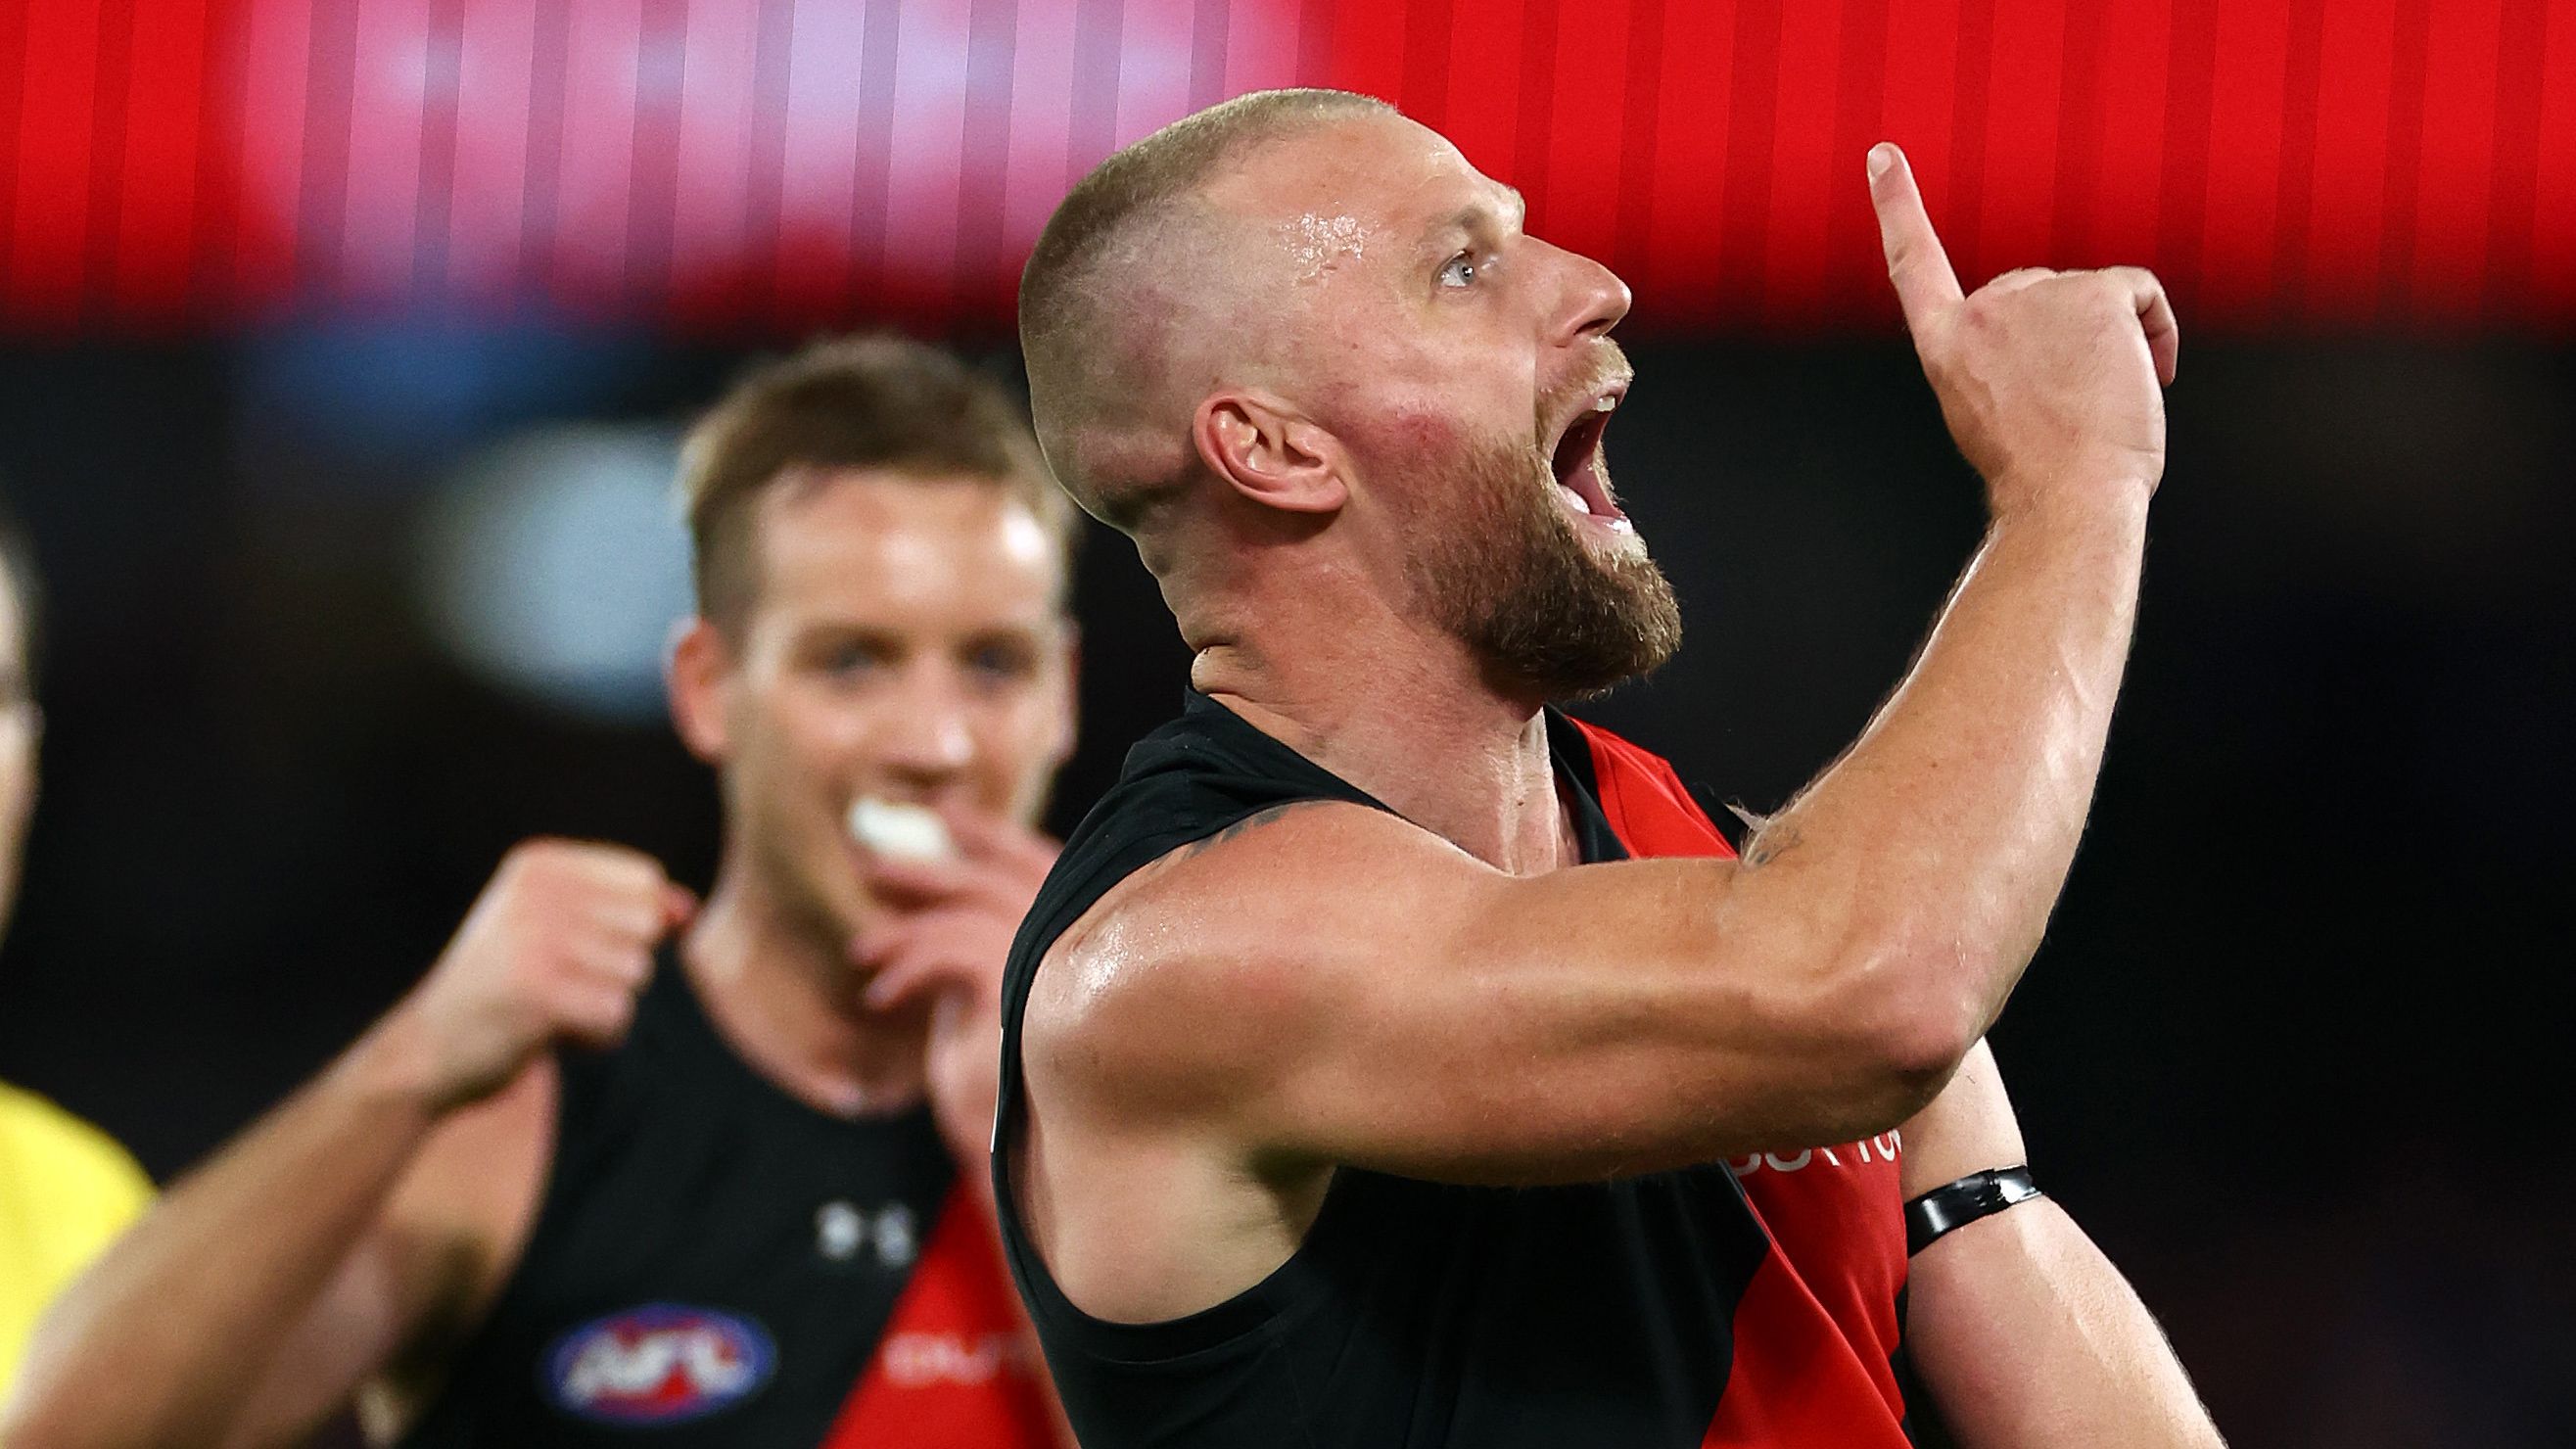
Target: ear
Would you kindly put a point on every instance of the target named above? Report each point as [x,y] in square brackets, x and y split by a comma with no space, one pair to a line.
[698,675]
[1270,454]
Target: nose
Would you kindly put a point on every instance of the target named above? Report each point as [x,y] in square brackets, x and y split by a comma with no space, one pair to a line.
[1594,299]
[928,739]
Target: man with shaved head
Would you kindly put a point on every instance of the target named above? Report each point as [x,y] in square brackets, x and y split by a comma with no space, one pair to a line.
[1392,1060]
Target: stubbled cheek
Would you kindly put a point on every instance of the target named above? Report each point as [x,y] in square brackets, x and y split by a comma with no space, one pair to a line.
[1376,412]
[1426,429]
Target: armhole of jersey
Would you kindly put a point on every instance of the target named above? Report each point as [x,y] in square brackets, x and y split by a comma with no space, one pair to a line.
[1730,827]
[580,1085]
[1259,1306]
[459,1378]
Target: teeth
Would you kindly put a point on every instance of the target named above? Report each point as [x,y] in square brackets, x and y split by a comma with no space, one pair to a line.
[1604,404]
[898,831]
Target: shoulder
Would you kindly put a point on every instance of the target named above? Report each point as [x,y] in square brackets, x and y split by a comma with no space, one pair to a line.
[1218,956]
[83,1169]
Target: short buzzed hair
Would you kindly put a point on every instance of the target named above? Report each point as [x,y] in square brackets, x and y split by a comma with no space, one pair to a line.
[878,402]
[1081,363]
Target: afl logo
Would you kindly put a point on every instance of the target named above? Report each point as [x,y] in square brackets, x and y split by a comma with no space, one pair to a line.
[658,1364]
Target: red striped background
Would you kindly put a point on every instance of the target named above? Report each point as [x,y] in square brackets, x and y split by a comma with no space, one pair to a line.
[785,164]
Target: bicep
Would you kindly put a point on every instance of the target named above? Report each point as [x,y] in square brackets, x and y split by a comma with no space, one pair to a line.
[1350,989]
[1575,1025]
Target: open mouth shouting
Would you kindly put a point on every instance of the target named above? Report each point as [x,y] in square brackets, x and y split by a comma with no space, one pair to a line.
[1582,479]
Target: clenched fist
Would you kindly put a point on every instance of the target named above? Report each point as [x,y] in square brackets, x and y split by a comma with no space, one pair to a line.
[554,949]
[2050,381]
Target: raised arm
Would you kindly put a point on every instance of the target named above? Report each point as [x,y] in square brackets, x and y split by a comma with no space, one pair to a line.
[253,1299]
[2022,1332]
[1443,1019]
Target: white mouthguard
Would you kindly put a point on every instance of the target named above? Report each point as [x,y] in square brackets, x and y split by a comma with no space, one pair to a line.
[898,831]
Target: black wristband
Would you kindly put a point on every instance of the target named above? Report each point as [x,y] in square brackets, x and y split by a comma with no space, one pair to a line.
[1957,1204]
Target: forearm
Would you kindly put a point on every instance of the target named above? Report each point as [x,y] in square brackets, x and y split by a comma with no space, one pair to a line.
[161,1340]
[1923,864]
[2026,1336]
[2022,1331]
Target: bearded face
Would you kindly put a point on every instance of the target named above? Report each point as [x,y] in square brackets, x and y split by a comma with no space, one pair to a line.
[1532,565]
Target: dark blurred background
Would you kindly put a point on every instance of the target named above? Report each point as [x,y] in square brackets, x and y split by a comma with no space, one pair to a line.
[346,346]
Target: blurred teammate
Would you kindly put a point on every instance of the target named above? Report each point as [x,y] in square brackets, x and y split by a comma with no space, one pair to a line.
[1358,1090]
[757,1213]
[66,1190]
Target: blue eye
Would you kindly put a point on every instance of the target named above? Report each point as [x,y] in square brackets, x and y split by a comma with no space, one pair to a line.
[855,659]
[1002,662]
[1459,271]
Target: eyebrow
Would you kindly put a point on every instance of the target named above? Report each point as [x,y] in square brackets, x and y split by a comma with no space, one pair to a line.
[1466,217]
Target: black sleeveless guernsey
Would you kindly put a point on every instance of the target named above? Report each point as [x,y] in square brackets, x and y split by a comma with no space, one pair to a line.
[1657,1312]
[717,1263]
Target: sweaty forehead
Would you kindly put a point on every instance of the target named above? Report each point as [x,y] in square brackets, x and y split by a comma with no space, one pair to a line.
[1337,191]
[1310,232]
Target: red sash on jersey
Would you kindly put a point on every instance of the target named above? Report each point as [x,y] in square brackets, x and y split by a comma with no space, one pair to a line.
[954,1370]
[1815,1327]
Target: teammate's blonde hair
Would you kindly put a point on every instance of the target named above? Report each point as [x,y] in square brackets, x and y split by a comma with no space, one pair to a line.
[878,402]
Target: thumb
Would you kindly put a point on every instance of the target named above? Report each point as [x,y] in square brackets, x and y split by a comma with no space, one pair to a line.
[679,906]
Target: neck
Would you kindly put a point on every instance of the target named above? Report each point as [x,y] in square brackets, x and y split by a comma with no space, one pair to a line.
[786,998]
[1400,709]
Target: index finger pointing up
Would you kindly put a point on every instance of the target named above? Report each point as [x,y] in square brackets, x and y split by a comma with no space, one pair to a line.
[1925,285]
